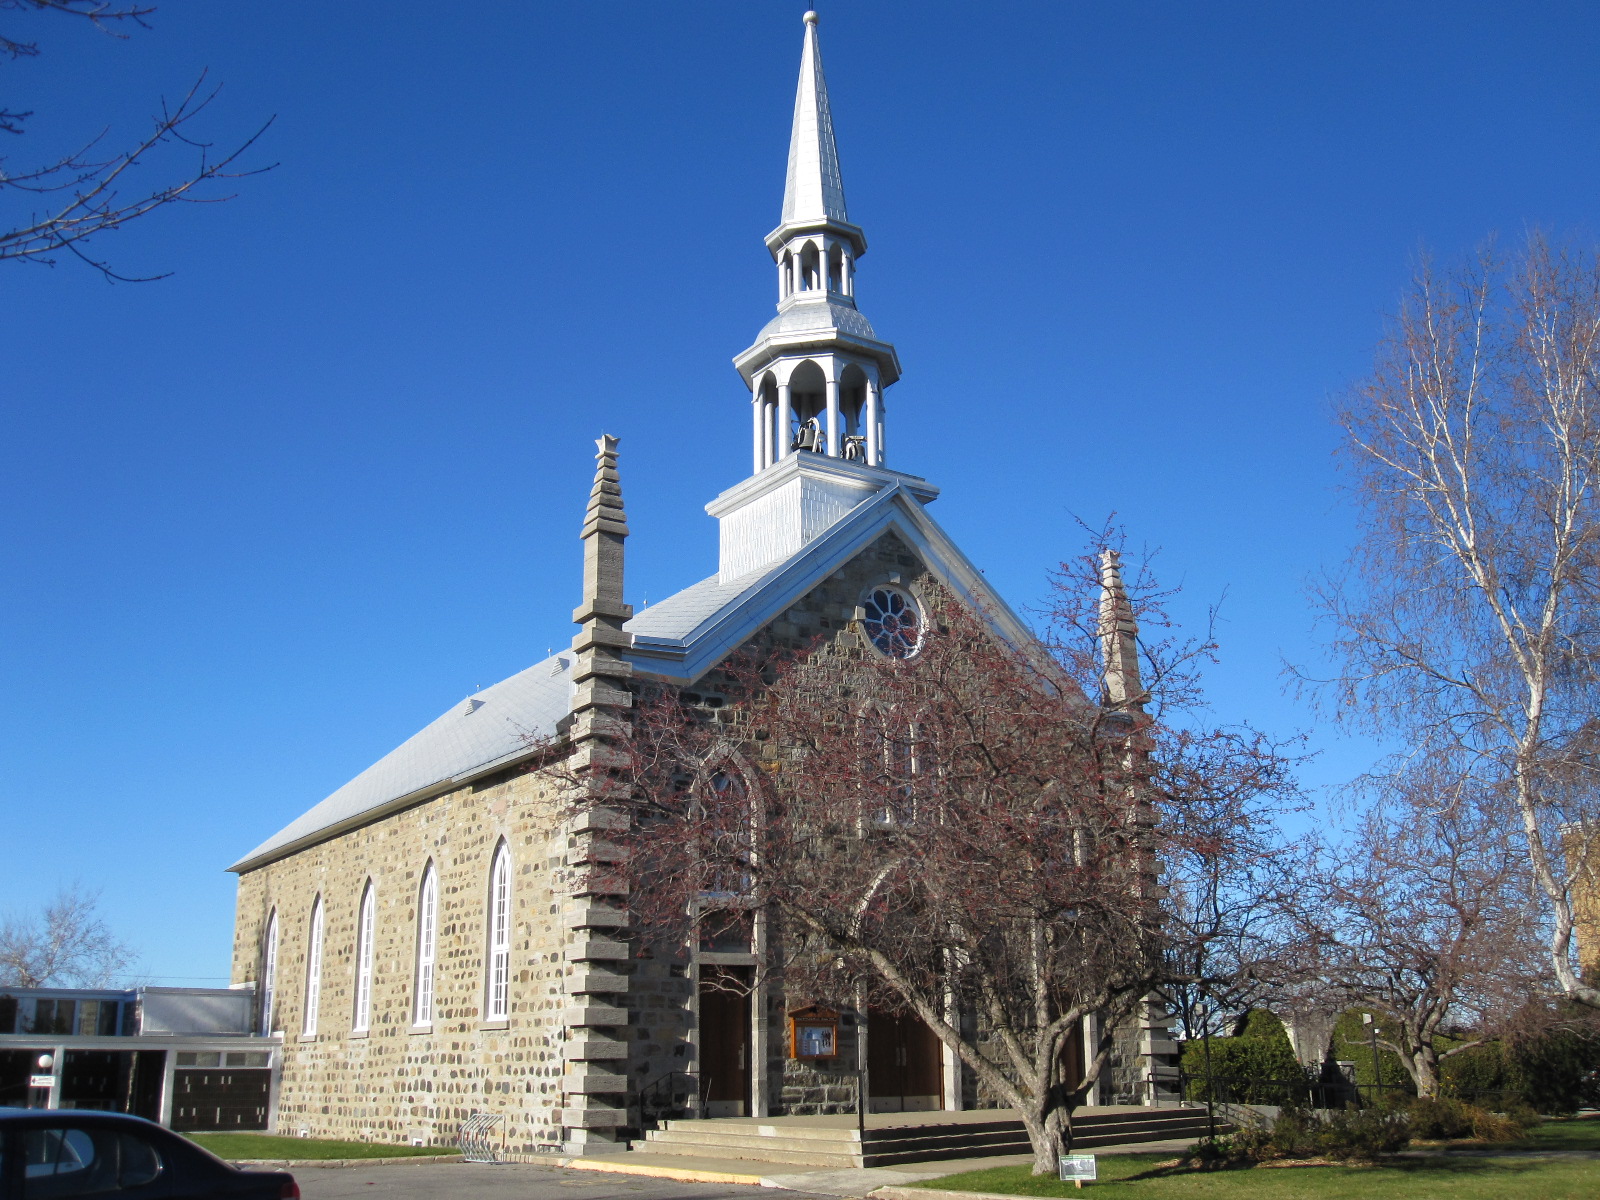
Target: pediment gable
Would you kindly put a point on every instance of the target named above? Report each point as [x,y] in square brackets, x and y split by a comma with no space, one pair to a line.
[685,636]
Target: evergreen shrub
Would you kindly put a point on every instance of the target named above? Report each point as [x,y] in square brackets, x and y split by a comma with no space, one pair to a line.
[1296,1133]
[1257,1066]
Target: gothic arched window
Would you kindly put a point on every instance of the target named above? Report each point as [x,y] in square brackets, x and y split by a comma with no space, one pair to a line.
[269,972]
[427,945]
[314,969]
[364,930]
[499,982]
[893,622]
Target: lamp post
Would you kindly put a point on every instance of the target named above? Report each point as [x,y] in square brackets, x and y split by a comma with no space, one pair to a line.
[1372,1034]
[41,1083]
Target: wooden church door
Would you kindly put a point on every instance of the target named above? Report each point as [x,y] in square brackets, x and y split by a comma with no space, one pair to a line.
[724,1042]
[904,1063]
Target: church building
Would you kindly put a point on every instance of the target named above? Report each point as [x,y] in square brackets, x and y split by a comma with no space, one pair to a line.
[425,943]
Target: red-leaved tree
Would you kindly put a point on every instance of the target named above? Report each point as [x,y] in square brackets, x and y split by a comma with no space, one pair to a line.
[979,830]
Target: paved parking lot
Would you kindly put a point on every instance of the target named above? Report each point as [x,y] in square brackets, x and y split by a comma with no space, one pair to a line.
[511,1181]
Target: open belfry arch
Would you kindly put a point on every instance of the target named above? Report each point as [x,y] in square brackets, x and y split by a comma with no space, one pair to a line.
[449,935]
[817,372]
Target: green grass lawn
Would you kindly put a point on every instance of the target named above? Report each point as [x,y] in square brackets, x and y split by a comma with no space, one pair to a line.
[234,1146]
[1137,1177]
[1578,1133]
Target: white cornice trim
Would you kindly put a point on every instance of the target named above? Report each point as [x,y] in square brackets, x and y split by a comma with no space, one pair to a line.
[685,660]
[388,808]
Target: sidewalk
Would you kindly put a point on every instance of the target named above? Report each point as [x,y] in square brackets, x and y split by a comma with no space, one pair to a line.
[849,1182]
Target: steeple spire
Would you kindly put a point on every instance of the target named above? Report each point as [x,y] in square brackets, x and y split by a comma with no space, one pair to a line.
[1119,639]
[818,371]
[814,190]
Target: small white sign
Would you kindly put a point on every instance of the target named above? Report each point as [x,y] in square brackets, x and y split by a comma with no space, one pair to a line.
[1078,1168]
[43,1081]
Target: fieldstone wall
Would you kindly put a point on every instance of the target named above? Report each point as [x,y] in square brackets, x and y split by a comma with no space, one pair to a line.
[397,1081]
[813,1086]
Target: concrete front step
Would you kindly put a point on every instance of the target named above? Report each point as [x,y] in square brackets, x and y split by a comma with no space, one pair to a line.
[833,1146]
[824,1156]
[837,1141]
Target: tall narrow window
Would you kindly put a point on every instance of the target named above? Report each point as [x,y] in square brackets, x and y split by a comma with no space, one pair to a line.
[499,936]
[901,765]
[363,1015]
[427,945]
[314,969]
[269,972]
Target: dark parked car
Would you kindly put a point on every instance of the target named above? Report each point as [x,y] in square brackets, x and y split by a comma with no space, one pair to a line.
[48,1154]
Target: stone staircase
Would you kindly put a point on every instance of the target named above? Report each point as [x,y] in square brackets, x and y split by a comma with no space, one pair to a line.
[800,1142]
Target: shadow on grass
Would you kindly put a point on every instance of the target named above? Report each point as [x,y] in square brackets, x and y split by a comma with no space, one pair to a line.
[1442,1165]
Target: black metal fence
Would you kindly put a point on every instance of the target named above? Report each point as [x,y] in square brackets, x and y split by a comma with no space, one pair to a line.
[1324,1090]
[1331,1087]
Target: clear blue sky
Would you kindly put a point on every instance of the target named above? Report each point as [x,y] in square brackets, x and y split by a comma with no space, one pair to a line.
[265,519]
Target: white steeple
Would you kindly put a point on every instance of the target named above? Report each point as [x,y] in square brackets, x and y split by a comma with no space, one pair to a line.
[814,191]
[817,372]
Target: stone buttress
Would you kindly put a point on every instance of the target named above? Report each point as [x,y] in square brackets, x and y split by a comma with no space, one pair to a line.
[595,915]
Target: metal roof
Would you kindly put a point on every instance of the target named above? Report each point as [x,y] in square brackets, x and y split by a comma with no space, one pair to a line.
[814,190]
[486,730]
[678,639]
[819,316]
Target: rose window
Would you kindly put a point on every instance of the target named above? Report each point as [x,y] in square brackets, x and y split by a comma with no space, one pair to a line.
[892,622]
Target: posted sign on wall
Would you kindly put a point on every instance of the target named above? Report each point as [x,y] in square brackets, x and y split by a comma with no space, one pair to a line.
[1078,1169]
[41,1081]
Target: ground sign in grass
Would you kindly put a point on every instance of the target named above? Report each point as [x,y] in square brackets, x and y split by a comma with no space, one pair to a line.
[239,1146]
[1139,1177]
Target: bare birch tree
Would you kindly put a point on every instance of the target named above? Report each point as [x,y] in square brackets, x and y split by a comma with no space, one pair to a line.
[1468,624]
[55,206]
[66,944]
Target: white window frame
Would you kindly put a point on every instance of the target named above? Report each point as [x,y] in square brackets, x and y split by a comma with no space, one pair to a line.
[910,601]
[427,947]
[498,1000]
[365,921]
[314,970]
[269,973]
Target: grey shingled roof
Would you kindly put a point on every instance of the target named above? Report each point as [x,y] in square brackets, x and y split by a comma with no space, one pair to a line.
[681,637]
[679,616]
[506,720]
[503,722]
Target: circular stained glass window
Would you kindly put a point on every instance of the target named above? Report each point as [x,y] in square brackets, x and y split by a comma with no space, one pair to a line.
[892,622]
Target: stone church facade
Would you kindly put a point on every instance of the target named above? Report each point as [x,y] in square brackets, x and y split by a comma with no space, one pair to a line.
[442,937]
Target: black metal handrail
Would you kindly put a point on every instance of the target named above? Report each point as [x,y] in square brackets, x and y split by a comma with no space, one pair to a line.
[658,1099]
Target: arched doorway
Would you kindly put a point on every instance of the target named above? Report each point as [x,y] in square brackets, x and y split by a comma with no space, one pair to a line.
[725,1041]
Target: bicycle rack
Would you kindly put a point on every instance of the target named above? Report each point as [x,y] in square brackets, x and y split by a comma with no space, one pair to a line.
[477,1141]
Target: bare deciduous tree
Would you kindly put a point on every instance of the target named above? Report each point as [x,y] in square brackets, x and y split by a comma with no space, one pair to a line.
[962,831]
[64,201]
[1425,914]
[1469,625]
[66,944]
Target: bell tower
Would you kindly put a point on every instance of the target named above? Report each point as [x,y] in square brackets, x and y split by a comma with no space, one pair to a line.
[818,371]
